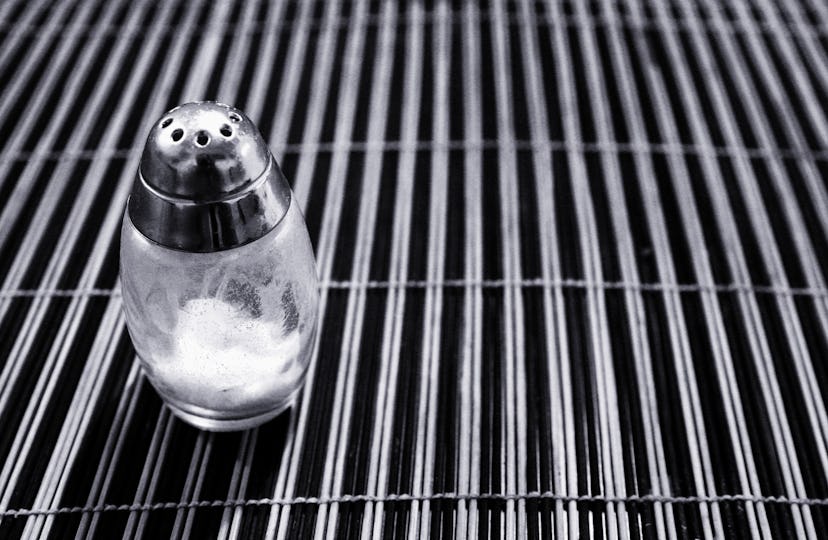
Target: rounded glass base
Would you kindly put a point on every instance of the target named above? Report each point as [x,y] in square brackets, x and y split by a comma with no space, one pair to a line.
[214,421]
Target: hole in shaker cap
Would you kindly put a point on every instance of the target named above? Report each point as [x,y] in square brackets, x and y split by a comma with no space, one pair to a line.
[177,134]
[202,138]
[225,130]
[234,117]
[166,122]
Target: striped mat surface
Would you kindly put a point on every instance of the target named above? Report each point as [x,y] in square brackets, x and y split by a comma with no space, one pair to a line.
[572,259]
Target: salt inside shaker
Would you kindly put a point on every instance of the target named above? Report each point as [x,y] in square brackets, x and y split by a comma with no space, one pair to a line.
[217,271]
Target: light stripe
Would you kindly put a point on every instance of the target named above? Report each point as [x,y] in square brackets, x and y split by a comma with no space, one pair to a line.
[346,107]
[230,80]
[614,518]
[729,391]
[737,264]
[760,222]
[60,347]
[688,389]
[793,474]
[351,343]
[16,362]
[152,466]
[197,82]
[199,477]
[101,245]
[79,417]
[565,440]
[266,57]
[610,167]
[233,69]
[202,446]
[387,378]
[515,387]
[114,445]
[470,405]
[817,61]
[402,231]
[793,328]
[325,249]
[24,73]
[349,351]
[288,94]
[623,236]
[811,266]
[239,479]
[202,66]
[429,355]
[788,459]
[231,524]
[283,115]
[550,261]
[783,11]
[419,520]
[12,41]
[28,177]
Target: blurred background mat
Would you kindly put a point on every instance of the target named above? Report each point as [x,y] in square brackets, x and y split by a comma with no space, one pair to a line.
[573,259]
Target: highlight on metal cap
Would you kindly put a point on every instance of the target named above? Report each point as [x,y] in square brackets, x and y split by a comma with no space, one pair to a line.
[207,181]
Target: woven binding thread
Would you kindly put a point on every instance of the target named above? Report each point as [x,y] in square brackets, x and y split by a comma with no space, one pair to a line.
[535,495]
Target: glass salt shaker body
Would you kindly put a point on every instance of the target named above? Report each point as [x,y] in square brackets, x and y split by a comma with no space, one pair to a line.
[222,312]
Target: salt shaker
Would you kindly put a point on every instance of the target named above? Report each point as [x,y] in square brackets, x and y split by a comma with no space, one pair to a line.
[217,271]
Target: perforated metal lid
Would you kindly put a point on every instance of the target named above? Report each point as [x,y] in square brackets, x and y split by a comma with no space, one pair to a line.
[207,181]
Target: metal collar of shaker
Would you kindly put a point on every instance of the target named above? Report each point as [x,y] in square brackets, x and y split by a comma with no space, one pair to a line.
[204,227]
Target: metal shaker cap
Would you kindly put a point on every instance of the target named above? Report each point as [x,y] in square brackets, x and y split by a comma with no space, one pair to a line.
[207,181]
